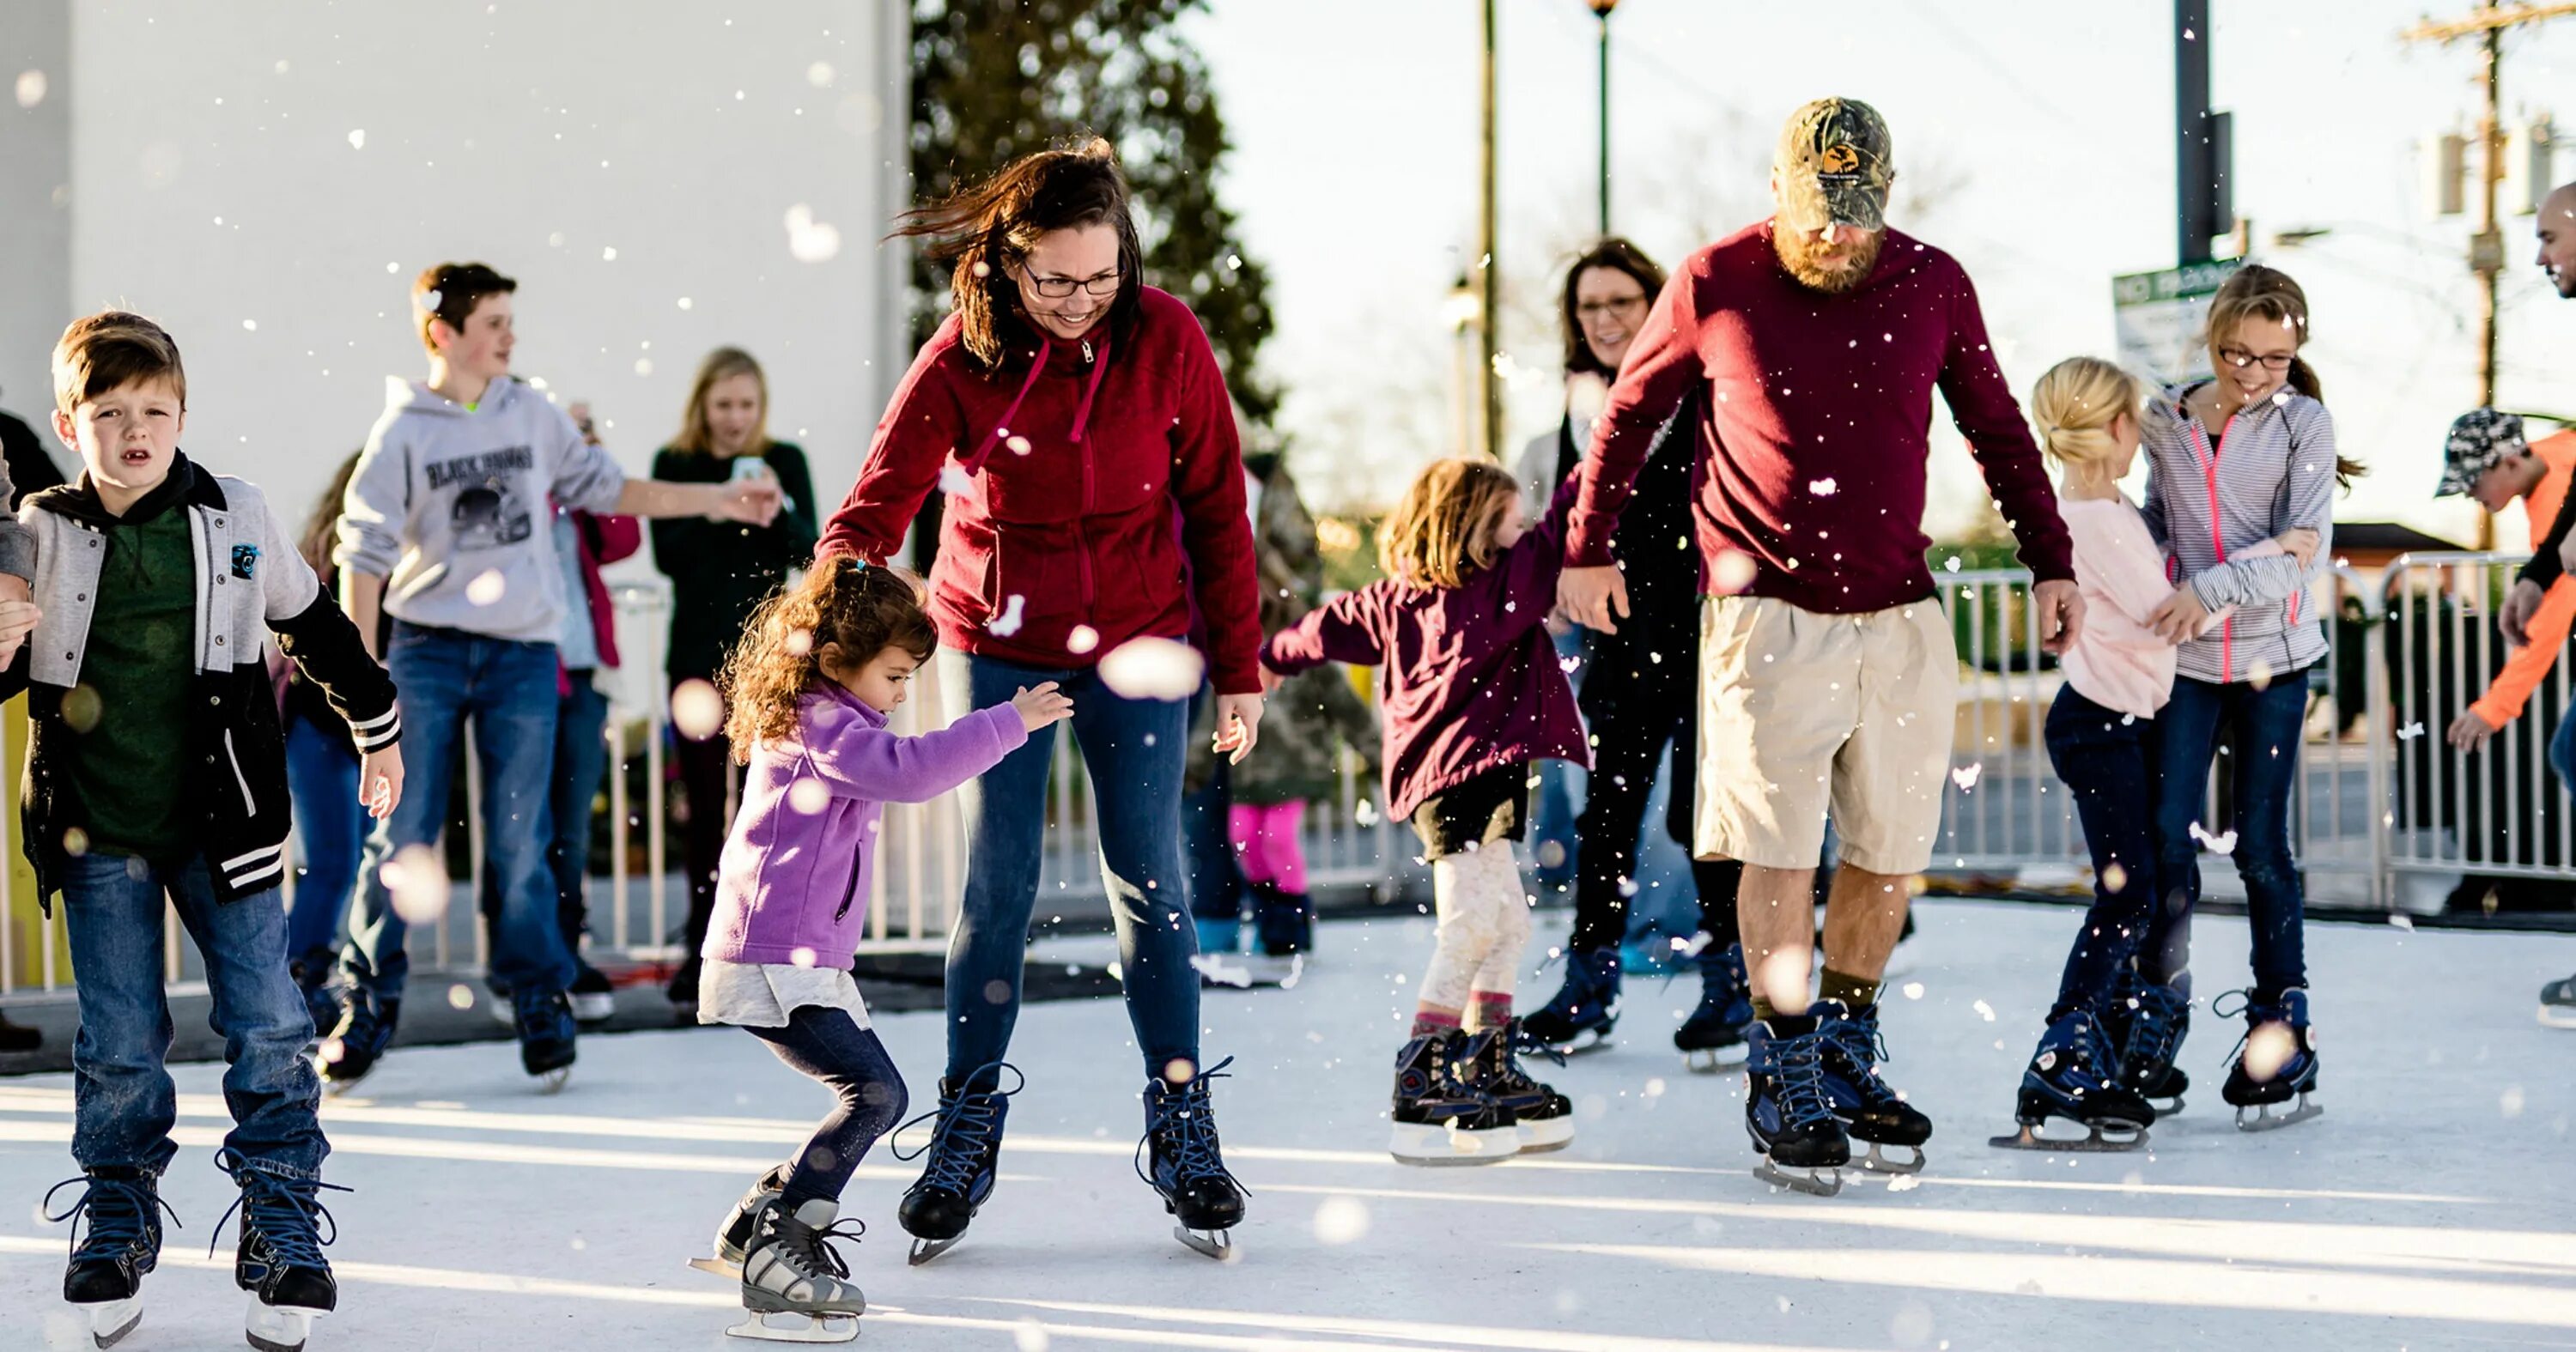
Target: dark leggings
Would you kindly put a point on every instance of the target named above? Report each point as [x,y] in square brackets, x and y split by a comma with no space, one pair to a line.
[829,1046]
[1636,707]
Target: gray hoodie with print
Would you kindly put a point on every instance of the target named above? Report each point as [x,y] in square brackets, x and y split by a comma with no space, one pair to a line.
[449,506]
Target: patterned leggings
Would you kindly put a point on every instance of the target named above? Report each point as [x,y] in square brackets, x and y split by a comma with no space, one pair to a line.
[1484,926]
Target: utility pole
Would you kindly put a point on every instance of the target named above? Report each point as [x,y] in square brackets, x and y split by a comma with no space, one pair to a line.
[2192,169]
[1602,9]
[1488,380]
[2486,248]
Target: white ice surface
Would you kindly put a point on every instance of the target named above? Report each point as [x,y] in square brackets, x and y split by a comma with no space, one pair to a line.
[2429,1207]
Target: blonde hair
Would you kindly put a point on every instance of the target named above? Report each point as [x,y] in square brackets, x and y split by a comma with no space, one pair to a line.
[2075,404]
[721,365]
[1444,527]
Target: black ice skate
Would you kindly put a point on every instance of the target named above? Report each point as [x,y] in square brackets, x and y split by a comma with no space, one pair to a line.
[965,1149]
[2074,1076]
[1793,1126]
[2558,1004]
[1186,1166]
[1543,1118]
[366,1028]
[1712,1038]
[1871,1110]
[279,1257]
[1585,1009]
[120,1209]
[795,1288]
[548,1037]
[2147,1021]
[2275,1062]
[734,1236]
[1439,1118]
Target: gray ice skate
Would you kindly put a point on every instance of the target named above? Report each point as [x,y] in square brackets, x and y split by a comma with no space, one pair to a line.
[795,1288]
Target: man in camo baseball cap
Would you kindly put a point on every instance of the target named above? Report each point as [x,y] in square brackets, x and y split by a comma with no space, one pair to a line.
[1834,166]
[2480,439]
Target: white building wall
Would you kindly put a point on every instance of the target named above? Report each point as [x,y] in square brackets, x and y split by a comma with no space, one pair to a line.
[266,177]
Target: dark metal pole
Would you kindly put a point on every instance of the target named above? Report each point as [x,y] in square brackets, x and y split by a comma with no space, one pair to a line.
[1605,122]
[1489,323]
[2192,174]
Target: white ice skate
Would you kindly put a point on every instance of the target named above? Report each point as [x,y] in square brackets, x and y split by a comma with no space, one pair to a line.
[111,1320]
[279,1328]
[795,1288]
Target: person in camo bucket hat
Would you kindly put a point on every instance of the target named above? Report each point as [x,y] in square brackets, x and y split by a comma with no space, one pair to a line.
[1834,166]
[2480,439]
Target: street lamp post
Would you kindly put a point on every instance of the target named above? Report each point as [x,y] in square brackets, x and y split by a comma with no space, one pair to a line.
[1488,375]
[1463,311]
[1602,8]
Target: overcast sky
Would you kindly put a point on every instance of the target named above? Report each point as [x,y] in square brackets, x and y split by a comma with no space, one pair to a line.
[2040,155]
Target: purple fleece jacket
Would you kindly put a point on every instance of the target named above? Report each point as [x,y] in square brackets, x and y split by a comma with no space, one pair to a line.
[1472,680]
[793,884]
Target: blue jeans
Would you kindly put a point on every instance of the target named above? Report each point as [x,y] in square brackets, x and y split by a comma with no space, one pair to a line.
[330,829]
[2107,759]
[2266,755]
[580,763]
[1216,876]
[508,689]
[1132,750]
[2562,751]
[123,1103]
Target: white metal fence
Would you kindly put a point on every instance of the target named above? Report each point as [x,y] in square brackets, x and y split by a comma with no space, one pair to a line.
[2385,813]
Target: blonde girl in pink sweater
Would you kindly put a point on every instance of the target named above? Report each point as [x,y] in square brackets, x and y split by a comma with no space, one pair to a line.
[2101,735]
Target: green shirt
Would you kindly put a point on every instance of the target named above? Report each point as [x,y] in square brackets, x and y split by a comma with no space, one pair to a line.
[128,714]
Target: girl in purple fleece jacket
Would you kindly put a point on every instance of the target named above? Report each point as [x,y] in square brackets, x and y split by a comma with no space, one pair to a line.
[819,669]
[1474,699]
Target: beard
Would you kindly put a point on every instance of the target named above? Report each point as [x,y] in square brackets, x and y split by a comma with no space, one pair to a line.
[1799,254]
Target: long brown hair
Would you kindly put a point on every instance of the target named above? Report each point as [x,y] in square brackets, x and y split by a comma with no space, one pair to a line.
[1443,529]
[722,364]
[857,608]
[1618,255]
[322,528]
[2257,292]
[986,227]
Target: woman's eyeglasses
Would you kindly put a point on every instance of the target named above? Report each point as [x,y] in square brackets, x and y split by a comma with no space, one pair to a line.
[1594,309]
[1057,288]
[2272,361]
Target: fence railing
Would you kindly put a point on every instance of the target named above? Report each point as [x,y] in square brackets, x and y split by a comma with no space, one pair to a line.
[2386,814]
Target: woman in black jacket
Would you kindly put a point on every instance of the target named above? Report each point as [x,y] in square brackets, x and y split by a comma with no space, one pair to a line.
[720,572]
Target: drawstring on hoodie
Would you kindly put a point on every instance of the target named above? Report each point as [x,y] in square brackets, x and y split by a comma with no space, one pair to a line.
[1037,367]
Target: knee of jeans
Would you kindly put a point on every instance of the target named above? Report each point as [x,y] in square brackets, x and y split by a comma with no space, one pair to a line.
[877,1104]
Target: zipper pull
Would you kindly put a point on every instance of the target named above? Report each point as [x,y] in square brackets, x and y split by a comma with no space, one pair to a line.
[1086,352]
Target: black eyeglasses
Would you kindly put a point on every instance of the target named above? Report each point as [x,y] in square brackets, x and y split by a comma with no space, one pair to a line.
[1057,288]
[1594,309]
[2272,361]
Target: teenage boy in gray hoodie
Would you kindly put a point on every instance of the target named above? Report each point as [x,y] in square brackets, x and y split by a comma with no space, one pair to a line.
[445,528]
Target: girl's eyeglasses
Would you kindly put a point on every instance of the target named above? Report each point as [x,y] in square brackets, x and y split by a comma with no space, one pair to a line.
[1057,288]
[2272,361]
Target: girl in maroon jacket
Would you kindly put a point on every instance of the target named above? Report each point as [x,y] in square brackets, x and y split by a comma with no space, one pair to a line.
[1474,699]
[1072,414]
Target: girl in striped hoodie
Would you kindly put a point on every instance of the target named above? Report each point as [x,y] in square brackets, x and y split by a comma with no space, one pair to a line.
[2233,460]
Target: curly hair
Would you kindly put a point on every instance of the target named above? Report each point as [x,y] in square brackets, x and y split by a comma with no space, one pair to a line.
[857,609]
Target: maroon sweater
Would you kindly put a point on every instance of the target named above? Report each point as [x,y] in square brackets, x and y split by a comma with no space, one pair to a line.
[1077,464]
[1815,430]
[1472,680]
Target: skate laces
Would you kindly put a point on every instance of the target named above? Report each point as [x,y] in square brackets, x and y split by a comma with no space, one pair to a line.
[2156,1027]
[810,1246]
[280,1208]
[1186,1120]
[966,1127]
[116,1213]
[1862,1047]
[1798,1063]
[2256,1014]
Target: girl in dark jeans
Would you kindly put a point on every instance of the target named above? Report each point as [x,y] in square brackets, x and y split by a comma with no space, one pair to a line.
[720,572]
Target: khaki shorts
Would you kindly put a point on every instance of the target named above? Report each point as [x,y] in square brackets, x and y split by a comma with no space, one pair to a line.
[1804,716]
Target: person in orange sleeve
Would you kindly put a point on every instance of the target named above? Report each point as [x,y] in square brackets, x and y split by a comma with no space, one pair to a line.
[2487,459]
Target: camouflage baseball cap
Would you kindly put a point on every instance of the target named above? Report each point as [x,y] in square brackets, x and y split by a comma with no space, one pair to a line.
[1835,162]
[2479,440]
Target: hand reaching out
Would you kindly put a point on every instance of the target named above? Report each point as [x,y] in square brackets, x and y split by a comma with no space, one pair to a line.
[1238,726]
[1041,704]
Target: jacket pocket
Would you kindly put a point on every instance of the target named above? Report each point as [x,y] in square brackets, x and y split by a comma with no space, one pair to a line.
[241,781]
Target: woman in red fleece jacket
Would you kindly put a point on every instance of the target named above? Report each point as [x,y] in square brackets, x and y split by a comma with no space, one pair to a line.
[1074,416]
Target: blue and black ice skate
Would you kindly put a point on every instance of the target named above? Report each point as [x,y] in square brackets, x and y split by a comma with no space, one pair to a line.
[116,1241]
[2147,1021]
[1713,1036]
[1871,1110]
[1586,1007]
[965,1150]
[2275,1062]
[1786,1111]
[2074,1076]
[278,1257]
[1180,1157]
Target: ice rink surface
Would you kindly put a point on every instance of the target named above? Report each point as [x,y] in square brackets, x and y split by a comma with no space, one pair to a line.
[2433,1205]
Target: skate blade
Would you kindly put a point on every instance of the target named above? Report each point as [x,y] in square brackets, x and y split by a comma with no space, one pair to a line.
[552,1082]
[718,1267]
[2099,1142]
[1825,1182]
[2558,1016]
[279,1328]
[111,1320]
[2166,1107]
[1216,1244]
[2265,1119]
[1541,1137]
[1214,971]
[1439,1147]
[1878,1163]
[799,1328]
[1589,1040]
[1714,1060]
[923,1250]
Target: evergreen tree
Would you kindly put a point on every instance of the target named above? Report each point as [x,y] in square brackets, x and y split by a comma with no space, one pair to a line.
[996,79]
